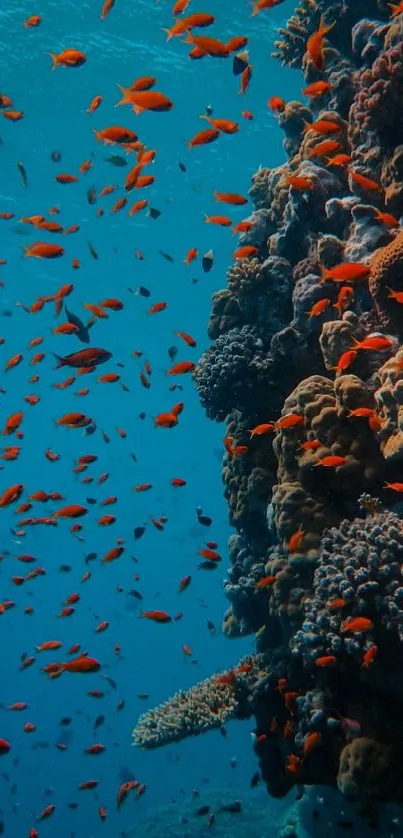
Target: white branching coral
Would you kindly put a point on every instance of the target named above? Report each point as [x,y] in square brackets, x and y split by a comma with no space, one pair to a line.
[207,705]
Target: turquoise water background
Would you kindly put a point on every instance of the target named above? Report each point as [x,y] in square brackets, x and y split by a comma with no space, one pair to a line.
[128,44]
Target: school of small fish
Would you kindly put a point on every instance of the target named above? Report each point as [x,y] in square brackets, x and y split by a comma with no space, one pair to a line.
[67,316]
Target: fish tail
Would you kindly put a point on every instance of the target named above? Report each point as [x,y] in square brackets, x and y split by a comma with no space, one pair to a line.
[60,361]
[325,28]
[55,59]
[169,33]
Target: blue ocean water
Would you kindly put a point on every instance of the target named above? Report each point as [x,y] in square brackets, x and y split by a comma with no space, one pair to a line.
[128,44]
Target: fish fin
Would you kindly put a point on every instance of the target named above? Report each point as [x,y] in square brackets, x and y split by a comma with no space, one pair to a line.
[60,361]
[55,59]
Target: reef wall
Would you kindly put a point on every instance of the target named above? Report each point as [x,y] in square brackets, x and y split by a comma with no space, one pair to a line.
[307,351]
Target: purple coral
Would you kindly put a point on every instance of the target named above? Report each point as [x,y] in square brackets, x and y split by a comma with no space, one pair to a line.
[232,372]
[360,563]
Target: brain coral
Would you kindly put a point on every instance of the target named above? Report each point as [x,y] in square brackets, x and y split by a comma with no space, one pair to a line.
[389,403]
[310,495]
[366,769]
[387,275]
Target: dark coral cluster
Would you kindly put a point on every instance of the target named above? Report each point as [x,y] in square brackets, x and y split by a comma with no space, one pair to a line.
[306,369]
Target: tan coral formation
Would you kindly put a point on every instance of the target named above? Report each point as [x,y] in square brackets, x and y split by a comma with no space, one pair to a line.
[389,403]
[365,769]
[387,275]
[306,493]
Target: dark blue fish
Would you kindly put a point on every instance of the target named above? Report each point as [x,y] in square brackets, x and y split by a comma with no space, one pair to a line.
[83,331]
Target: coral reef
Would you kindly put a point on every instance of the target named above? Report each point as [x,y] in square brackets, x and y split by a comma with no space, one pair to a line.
[305,367]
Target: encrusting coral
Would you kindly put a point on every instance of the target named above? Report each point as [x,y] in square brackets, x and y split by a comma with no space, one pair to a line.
[306,368]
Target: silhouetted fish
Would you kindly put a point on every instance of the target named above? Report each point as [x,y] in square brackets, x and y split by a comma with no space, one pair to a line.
[116,160]
[83,331]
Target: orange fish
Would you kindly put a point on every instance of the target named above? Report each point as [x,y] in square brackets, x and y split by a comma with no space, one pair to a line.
[299,182]
[314,44]
[180,6]
[317,88]
[12,423]
[82,664]
[204,137]
[263,4]
[73,510]
[311,445]
[289,421]
[332,461]
[395,295]
[276,104]
[227,126]
[387,219]
[68,58]
[65,178]
[157,307]
[296,540]
[369,656]
[95,103]
[265,582]
[336,604]
[143,83]
[186,24]
[325,147]
[187,338]
[339,160]
[116,135]
[137,207]
[263,428]
[311,741]
[42,250]
[106,8]
[365,182]
[208,46]
[395,487]
[230,198]
[346,272]
[319,307]
[376,343]
[166,420]
[361,412]
[322,126]
[33,21]
[356,624]
[245,81]
[10,495]
[156,616]
[145,100]
[325,661]
[344,298]
[242,227]
[345,360]
[181,368]
[245,252]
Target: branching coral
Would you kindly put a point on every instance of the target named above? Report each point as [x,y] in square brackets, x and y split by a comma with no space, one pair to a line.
[207,705]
